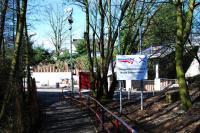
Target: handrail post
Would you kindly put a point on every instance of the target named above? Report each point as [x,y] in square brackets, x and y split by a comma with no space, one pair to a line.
[102,118]
[117,126]
[80,98]
[88,105]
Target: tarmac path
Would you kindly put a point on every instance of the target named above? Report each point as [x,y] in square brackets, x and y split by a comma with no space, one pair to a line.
[61,117]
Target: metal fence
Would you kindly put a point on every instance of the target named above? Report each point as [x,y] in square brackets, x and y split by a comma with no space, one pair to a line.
[164,82]
[149,85]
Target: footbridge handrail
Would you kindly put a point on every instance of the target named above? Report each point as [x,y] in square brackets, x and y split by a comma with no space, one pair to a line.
[100,115]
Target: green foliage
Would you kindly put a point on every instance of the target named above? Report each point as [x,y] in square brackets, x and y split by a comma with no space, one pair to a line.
[162,29]
[65,55]
[81,48]
[94,93]
[41,54]
[127,39]
[82,62]
[81,59]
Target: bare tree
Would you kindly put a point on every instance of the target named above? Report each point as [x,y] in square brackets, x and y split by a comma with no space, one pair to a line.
[100,37]
[103,19]
[56,19]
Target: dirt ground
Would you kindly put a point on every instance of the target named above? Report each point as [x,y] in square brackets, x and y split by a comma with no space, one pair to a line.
[160,116]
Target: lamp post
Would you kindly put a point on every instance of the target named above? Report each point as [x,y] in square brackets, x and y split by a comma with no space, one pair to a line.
[141,81]
[70,21]
[120,82]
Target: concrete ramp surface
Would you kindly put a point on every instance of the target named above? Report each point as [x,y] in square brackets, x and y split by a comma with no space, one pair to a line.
[60,116]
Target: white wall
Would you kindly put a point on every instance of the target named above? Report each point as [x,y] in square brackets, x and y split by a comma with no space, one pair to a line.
[194,68]
[51,78]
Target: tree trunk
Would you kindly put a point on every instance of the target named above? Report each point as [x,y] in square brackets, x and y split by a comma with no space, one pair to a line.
[13,77]
[183,88]
[27,58]
[2,21]
[4,51]
[94,81]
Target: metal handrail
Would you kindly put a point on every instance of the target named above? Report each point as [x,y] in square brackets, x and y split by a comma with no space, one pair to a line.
[115,116]
[104,109]
[91,109]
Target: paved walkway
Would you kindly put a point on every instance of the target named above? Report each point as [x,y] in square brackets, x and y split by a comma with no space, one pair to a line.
[61,117]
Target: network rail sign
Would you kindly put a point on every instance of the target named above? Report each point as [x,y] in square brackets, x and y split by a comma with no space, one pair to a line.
[131,67]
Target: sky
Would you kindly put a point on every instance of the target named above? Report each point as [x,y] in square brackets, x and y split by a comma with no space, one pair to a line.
[39,25]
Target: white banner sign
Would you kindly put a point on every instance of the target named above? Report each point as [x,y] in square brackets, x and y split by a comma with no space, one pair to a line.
[131,67]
